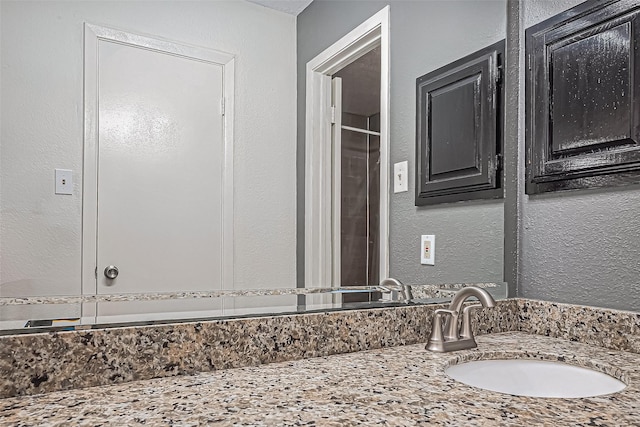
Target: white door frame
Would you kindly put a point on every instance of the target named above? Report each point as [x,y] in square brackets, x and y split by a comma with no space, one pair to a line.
[92,35]
[320,233]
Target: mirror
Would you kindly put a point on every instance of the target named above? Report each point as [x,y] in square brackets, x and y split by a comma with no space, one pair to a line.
[79,205]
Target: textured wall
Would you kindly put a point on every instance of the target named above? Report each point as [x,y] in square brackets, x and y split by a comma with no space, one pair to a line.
[580,246]
[424,35]
[42,129]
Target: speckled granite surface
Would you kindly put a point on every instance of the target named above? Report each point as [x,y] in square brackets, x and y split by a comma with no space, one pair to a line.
[400,386]
[619,330]
[45,362]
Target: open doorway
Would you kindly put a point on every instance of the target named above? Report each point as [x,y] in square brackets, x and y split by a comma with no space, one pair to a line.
[346,169]
[356,137]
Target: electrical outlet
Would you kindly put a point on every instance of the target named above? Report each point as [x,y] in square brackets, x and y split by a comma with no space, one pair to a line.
[428,249]
[64,181]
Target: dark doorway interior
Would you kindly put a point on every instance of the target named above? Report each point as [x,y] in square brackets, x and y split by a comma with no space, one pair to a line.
[360,175]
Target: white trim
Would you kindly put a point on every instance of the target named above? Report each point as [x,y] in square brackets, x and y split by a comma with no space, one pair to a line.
[228,207]
[336,175]
[92,35]
[385,138]
[318,184]
[89,169]
[318,224]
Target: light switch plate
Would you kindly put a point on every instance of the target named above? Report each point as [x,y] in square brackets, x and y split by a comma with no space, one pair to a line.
[428,249]
[400,177]
[64,181]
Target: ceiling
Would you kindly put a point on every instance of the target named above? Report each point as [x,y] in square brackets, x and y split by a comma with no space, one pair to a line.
[292,7]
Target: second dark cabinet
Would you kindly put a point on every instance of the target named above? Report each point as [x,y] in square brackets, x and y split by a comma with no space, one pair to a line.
[583,98]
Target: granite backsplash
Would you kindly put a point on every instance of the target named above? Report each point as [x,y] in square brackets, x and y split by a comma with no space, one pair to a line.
[45,362]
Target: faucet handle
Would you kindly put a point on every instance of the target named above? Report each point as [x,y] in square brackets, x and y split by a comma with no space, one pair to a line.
[466,332]
[436,338]
[443,311]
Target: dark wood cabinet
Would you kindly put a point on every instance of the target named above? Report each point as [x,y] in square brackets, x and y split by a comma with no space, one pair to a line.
[583,98]
[459,129]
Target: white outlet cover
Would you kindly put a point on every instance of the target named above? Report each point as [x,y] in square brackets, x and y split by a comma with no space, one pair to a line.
[400,177]
[428,249]
[64,181]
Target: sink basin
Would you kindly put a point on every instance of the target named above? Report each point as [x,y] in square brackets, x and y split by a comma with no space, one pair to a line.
[534,378]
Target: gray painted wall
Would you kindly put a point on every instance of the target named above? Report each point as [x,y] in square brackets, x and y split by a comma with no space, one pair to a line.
[424,35]
[582,246]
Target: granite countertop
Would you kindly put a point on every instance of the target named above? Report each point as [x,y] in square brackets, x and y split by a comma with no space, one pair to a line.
[399,386]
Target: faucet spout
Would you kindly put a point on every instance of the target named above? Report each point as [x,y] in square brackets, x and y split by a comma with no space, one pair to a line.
[461,296]
[396,285]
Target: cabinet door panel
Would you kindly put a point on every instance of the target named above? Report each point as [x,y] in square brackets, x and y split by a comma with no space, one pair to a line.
[458,138]
[582,103]
[455,119]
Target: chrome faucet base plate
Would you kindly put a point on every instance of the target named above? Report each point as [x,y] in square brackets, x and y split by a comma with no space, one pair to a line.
[446,346]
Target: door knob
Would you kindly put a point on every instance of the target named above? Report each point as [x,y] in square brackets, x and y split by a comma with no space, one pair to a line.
[111,272]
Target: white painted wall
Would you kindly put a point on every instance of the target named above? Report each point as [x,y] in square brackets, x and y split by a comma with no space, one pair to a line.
[42,119]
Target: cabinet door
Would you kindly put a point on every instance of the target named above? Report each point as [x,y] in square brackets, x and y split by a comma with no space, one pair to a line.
[458,135]
[583,115]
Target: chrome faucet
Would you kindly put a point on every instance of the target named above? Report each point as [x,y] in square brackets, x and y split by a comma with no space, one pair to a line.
[396,285]
[448,337]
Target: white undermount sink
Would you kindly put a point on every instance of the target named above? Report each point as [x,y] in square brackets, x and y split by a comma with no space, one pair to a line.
[534,378]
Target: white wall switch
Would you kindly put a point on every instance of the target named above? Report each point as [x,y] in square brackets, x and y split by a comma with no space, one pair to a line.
[400,177]
[428,249]
[64,181]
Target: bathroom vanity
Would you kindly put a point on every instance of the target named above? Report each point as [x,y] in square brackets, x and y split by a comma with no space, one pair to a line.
[314,360]
[403,385]
[387,377]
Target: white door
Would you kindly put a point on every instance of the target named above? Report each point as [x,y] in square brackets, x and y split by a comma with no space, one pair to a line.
[161,165]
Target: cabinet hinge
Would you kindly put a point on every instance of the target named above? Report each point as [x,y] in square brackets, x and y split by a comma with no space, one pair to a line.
[333,114]
[498,162]
[95,272]
[222,112]
[499,75]
[529,61]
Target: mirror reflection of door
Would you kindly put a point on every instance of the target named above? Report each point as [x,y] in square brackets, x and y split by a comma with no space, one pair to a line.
[356,97]
[160,168]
